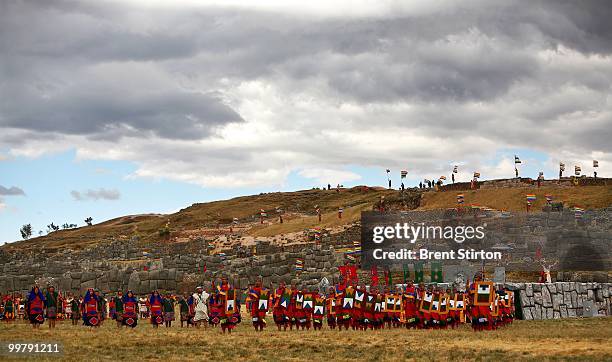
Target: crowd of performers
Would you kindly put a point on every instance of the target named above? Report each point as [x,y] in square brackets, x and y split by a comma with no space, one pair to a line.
[361,308]
[483,305]
[220,307]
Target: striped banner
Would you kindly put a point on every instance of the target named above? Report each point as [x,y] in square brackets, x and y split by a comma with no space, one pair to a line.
[578,213]
[299,265]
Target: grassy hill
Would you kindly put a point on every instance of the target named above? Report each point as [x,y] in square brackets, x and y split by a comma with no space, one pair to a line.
[300,214]
[211,214]
[513,199]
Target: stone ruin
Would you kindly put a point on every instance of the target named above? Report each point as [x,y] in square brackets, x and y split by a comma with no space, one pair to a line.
[127,264]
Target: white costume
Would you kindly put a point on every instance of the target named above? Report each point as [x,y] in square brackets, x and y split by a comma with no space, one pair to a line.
[201,309]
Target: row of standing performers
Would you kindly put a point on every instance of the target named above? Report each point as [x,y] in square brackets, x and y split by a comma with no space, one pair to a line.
[356,307]
[223,303]
[343,306]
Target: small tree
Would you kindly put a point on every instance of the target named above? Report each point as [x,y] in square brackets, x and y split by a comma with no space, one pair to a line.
[52,227]
[89,221]
[26,231]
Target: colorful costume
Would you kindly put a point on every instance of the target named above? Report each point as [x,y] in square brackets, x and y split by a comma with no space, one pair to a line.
[35,307]
[91,315]
[410,307]
[129,316]
[155,306]
[282,300]
[480,303]
[318,312]
[331,309]
[230,316]
[260,297]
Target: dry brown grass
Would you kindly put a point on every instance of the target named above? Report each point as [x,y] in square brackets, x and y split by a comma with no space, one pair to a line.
[303,202]
[210,213]
[513,199]
[328,220]
[569,339]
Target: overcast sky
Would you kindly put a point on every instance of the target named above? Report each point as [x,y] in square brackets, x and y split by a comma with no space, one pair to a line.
[220,98]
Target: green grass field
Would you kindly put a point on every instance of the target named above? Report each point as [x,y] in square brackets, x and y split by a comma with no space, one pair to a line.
[569,339]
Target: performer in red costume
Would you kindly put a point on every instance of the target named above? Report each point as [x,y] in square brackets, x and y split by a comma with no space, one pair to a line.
[481,297]
[230,316]
[318,312]
[35,307]
[282,301]
[292,310]
[357,315]
[379,311]
[346,308]
[91,312]
[425,305]
[331,307]
[368,309]
[130,310]
[260,297]
[410,307]
[307,310]
[155,304]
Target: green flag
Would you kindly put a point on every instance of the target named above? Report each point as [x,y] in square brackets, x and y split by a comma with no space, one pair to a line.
[436,272]
[390,278]
[406,273]
[418,272]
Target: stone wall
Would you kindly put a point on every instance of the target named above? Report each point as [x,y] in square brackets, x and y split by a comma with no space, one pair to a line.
[119,265]
[180,272]
[560,300]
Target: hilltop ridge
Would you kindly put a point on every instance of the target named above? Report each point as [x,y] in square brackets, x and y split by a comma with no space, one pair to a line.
[298,208]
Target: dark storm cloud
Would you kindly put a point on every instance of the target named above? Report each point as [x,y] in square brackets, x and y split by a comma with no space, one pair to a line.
[100,194]
[498,73]
[71,72]
[11,191]
[398,57]
[82,110]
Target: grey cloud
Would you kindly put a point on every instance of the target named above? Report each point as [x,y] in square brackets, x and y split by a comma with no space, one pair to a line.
[169,114]
[11,191]
[157,87]
[99,194]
